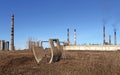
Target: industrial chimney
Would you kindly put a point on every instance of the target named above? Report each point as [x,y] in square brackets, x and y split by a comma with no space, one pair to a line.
[74,36]
[68,41]
[104,35]
[115,41]
[12,34]
[109,39]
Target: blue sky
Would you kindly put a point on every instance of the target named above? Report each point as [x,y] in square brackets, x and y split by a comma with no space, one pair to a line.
[44,19]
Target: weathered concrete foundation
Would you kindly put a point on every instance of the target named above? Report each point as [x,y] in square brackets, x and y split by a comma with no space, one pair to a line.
[93,47]
[53,54]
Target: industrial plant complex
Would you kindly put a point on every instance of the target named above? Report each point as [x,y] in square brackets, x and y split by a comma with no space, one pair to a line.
[106,46]
[4,45]
[59,52]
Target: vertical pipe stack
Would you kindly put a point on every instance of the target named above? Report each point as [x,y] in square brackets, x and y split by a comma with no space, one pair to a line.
[7,45]
[109,39]
[12,34]
[68,41]
[74,36]
[115,42]
[2,45]
[104,35]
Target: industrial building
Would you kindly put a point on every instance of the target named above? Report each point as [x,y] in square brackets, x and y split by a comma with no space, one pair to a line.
[106,46]
[4,45]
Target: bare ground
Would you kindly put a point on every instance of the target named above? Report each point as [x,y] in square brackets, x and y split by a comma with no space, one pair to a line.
[71,63]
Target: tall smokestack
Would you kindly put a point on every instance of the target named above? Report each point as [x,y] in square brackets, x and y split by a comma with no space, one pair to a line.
[74,36]
[115,42]
[109,39]
[12,34]
[68,41]
[104,35]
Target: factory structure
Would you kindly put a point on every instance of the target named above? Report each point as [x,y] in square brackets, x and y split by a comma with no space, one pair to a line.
[5,45]
[106,46]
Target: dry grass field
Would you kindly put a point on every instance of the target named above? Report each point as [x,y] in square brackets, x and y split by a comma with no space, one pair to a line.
[71,63]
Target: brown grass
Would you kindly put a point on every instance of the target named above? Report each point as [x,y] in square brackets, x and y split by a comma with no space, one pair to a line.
[72,63]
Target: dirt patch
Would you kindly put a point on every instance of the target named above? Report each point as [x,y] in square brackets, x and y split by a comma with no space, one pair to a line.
[72,63]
